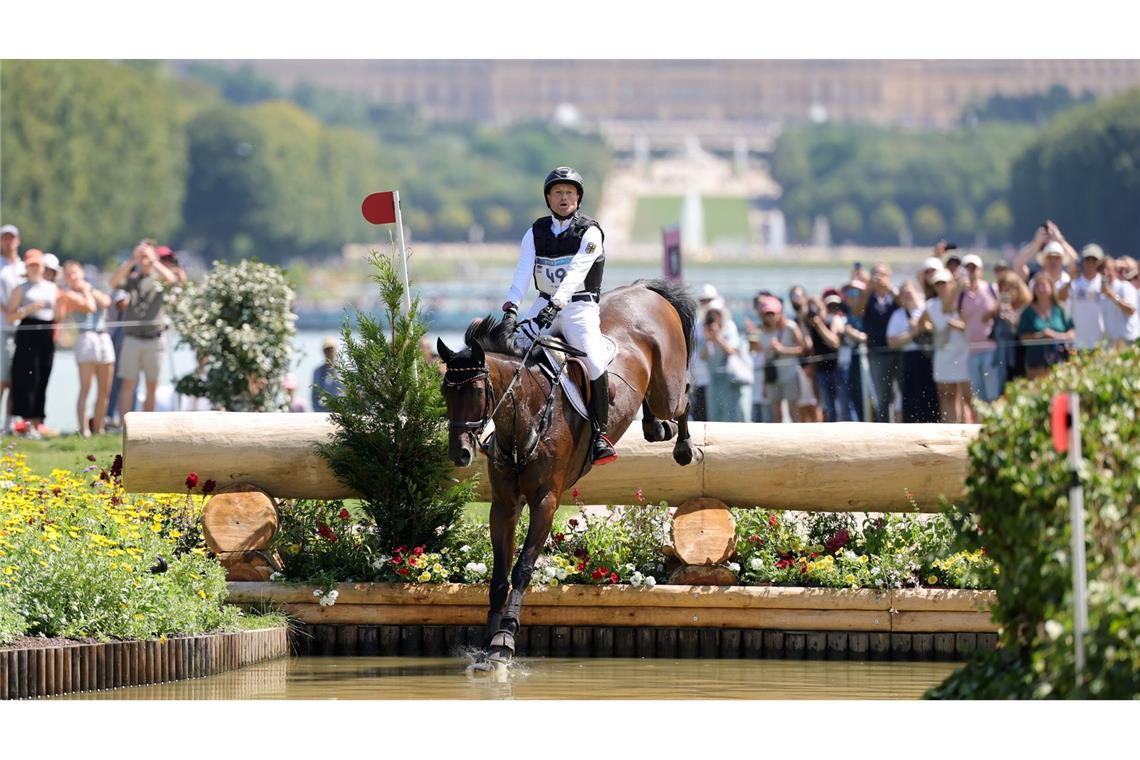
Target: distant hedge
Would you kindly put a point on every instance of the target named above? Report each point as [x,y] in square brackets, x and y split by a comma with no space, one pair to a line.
[1018,492]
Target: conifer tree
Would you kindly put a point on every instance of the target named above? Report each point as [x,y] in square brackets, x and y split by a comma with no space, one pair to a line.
[390,439]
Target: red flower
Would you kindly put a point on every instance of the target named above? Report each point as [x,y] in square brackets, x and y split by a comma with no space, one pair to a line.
[401,549]
[772,520]
[837,542]
[803,569]
[397,560]
[613,577]
[418,551]
[208,487]
[639,495]
[572,522]
[343,514]
[326,532]
[191,481]
[814,555]
[598,573]
[402,570]
[574,493]
[559,537]
[581,566]
[117,465]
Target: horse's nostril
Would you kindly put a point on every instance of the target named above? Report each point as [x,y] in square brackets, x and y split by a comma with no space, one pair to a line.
[464,458]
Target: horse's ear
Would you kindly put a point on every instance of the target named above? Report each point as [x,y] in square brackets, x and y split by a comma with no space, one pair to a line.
[477,355]
[444,352]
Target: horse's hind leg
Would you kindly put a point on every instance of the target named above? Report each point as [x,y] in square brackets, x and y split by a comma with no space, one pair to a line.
[502,646]
[683,450]
[654,429]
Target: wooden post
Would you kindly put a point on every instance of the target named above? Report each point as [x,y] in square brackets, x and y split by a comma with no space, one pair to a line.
[560,641]
[880,646]
[965,644]
[625,642]
[411,640]
[667,643]
[540,636]
[901,646]
[369,640]
[815,645]
[709,642]
[604,641]
[433,640]
[858,645]
[922,645]
[837,645]
[752,643]
[774,645]
[794,645]
[646,640]
[582,641]
[346,640]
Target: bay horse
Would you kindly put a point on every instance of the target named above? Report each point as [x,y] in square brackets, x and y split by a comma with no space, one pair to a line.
[541,447]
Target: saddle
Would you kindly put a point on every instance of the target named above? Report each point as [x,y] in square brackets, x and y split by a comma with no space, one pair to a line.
[575,376]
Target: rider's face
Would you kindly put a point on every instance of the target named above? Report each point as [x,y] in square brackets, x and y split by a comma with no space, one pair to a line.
[563,198]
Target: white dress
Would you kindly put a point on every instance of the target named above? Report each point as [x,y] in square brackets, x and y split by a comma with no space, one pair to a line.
[951,349]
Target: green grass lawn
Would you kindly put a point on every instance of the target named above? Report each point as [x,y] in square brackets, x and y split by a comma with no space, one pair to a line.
[66,452]
[726,218]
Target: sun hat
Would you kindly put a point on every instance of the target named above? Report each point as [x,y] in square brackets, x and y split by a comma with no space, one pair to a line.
[708,292]
[942,275]
[51,261]
[973,258]
[1092,251]
[10,229]
[771,305]
[329,342]
[1053,248]
[932,262]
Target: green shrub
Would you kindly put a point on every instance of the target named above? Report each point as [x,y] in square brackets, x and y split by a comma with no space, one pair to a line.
[390,437]
[1017,508]
[12,623]
[239,320]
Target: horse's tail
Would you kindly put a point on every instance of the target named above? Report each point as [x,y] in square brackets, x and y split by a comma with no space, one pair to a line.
[680,299]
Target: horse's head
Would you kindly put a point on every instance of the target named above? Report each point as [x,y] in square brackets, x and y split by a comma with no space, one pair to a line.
[469,397]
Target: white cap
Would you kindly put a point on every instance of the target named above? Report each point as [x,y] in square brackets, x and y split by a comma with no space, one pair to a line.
[1053,247]
[10,229]
[708,292]
[1092,251]
[942,275]
[973,258]
[51,261]
[932,263]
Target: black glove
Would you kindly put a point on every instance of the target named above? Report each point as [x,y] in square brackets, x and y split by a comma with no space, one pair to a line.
[509,307]
[547,316]
[510,314]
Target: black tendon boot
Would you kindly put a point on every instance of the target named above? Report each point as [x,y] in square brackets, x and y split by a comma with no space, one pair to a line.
[603,451]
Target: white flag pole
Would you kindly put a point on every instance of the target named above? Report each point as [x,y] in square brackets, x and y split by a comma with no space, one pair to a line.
[403,249]
[1077,536]
[404,264]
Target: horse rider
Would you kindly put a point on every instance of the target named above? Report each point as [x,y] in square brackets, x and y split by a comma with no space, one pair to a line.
[563,253]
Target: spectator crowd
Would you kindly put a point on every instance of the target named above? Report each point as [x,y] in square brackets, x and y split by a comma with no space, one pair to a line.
[924,350]
[117,333]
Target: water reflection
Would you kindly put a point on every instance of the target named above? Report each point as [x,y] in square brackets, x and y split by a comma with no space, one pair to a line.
[553,678]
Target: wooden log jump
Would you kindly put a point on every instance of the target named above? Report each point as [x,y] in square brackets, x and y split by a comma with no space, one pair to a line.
[834,467]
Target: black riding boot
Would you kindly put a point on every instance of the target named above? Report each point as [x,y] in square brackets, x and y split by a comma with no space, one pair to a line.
[603,451]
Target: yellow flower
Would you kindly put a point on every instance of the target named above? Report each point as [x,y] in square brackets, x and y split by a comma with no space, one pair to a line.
[426,576]
[849,579]
[553,581]
[931,580]
[201,593]
[437,568]
[863,559]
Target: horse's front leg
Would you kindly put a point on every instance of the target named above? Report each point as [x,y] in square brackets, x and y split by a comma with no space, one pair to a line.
[683,451]
[505,510]
[542,511]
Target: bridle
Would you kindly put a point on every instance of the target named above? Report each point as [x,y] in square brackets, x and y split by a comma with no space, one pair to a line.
[474,428]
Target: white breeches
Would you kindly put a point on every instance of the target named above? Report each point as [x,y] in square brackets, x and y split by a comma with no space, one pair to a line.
[580,325]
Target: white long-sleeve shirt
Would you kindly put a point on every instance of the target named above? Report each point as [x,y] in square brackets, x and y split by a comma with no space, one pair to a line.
[561,277]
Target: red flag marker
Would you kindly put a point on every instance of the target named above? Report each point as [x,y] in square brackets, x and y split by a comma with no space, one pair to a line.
[380,208]
[1062,422]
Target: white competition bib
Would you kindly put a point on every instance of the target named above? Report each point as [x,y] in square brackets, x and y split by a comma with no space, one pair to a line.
[549,273]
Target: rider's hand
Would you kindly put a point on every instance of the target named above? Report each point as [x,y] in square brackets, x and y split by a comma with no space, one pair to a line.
[509,307]
[546,317]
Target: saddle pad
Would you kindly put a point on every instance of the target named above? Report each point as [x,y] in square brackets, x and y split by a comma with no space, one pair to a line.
[573,392]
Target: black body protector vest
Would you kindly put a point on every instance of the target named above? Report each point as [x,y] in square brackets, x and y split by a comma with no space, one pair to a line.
[553,254]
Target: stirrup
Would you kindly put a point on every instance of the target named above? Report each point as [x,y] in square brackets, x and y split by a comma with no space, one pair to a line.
[603,450]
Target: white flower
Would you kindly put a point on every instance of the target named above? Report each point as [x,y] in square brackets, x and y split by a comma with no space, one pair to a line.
[636,578]
[275,576]
[1054,629]
[630,566]
[550,571]
[756,563]
[318,592]
[850,554]
[439,530]
[465,548]
[333,594]
[560,573]
[650,581]
[482,568]
[734,567]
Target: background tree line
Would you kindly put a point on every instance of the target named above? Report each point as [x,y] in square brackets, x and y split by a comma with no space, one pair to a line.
[98,154]
[996,179]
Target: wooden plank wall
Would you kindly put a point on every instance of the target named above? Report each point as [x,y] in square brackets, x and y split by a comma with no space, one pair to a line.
[609,641]
[50,671]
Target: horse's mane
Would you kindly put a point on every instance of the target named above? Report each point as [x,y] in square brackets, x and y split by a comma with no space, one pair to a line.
[492,335]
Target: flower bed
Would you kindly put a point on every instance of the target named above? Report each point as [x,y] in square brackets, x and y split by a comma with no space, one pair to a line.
[79,558]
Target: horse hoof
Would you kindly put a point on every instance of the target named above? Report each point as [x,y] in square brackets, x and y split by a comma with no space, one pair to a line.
[683,456]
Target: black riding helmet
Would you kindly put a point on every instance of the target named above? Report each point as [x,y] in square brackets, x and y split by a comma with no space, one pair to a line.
[563,174]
